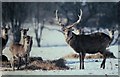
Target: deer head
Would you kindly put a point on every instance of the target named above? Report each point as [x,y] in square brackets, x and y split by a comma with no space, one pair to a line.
[27,39]
[68,28]
[24,31]
[5,30]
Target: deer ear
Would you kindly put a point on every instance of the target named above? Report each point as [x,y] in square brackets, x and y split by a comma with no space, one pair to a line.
[27,29]
[21,29]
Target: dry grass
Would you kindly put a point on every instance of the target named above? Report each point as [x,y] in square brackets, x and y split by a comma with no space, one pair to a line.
[48,65]
[37,63]
[91,56]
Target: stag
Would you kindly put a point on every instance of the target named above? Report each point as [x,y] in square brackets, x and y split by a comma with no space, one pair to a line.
[4,38]
[82,44]
[20,52]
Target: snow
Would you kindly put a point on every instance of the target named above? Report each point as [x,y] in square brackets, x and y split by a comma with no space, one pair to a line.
[63,72]
[55,47]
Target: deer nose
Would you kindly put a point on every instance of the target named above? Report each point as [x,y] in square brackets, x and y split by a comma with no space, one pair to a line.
[28,42]
[6,31]
[24,33]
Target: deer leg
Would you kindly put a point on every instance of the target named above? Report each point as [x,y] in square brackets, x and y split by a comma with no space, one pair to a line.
[80,58]
[83,56]
[103,63]
[13,63]
[26,60]
[19,63]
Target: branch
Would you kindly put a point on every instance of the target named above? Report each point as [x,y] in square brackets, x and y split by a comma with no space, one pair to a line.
[78,21]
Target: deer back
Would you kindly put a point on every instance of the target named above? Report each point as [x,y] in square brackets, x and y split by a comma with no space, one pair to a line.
[17,49]
[93,43]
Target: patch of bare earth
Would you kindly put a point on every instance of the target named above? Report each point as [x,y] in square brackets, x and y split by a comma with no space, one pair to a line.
[37,63]
[91,56]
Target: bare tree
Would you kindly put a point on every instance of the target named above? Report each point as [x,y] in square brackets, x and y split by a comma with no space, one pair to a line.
[15,13]
[41,13]
[38,29]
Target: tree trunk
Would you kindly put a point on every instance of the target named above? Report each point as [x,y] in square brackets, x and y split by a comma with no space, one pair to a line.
[16,31]
[39,29]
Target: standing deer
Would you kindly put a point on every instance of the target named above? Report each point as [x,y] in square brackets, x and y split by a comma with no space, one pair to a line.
[3,38]
[23,34]
[20,51]
[82,44]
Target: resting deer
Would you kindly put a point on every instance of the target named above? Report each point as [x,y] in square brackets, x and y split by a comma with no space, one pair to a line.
[82,44]
[3,38]
[20,51]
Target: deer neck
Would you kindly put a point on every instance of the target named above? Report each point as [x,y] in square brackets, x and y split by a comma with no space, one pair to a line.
[22,39]
[5,37]
[25,46]
[69,36]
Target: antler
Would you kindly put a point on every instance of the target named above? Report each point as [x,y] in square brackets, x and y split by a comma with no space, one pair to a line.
[57,18]
[77,20]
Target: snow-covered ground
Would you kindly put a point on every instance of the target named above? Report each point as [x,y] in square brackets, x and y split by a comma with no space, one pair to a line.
[55,47]
[51,53]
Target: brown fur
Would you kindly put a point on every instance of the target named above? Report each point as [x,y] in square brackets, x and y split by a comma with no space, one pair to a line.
[19,48]
[82,44]
[20,51]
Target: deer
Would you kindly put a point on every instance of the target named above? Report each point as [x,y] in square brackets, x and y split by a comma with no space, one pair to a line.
[82,44]
[20,52]
[3,38]
[23,34]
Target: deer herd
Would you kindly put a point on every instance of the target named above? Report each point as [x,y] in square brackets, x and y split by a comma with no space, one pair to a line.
[82,44]
[20,51]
